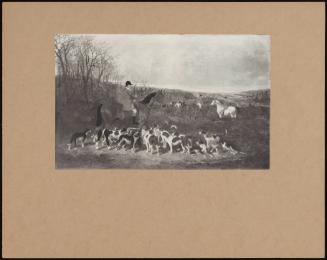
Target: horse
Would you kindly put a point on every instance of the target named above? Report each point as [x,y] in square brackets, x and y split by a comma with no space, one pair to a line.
[118,108]
[143,107]
[223,110]
[178,104]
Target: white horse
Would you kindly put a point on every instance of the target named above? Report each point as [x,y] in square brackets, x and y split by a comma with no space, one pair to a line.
[224,111]
[178,104]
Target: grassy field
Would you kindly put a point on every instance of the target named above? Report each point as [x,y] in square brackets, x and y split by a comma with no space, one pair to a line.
[248,133]
[89,157]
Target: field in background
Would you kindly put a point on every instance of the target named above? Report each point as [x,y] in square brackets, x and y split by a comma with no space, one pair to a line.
[249,133]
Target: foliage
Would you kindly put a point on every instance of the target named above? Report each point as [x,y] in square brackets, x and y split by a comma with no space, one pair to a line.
[82,67]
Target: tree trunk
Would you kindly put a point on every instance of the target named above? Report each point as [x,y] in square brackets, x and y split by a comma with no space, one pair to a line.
[86,96]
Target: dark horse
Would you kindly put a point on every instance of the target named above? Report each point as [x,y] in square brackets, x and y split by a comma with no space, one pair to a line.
[111,112]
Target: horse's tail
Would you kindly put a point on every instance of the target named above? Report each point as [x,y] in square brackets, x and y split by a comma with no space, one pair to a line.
[99,116]
[73,139]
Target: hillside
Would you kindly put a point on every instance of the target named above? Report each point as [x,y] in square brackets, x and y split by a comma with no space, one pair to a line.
[241,99]
[249,133]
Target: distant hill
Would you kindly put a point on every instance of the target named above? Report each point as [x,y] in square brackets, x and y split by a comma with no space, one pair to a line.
[104,90]
[243,98]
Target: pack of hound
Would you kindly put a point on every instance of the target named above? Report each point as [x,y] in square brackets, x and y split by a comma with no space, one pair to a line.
[154,140]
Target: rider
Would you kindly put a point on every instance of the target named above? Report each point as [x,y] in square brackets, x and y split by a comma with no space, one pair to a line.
[133,107]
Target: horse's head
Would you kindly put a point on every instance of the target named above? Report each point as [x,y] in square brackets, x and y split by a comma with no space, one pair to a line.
[148,98]
[215,102]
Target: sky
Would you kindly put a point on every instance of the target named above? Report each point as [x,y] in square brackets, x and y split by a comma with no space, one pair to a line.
[204,63]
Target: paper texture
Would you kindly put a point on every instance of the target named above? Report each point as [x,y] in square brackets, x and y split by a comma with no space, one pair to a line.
[158,213]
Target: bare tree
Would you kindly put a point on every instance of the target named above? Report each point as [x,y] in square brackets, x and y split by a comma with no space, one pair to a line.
[87,60]
[82,67]
[105,66]
[64,46]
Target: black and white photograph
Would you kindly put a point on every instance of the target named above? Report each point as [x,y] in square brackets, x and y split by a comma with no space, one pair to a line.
[162,101]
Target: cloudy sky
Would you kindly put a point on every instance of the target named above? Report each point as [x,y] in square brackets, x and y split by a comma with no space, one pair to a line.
[211,63]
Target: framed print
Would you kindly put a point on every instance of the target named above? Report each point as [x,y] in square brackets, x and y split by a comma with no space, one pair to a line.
[163,130]
[162,101]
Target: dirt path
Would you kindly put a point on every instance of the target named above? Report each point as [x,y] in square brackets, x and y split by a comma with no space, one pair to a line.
[89,157]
